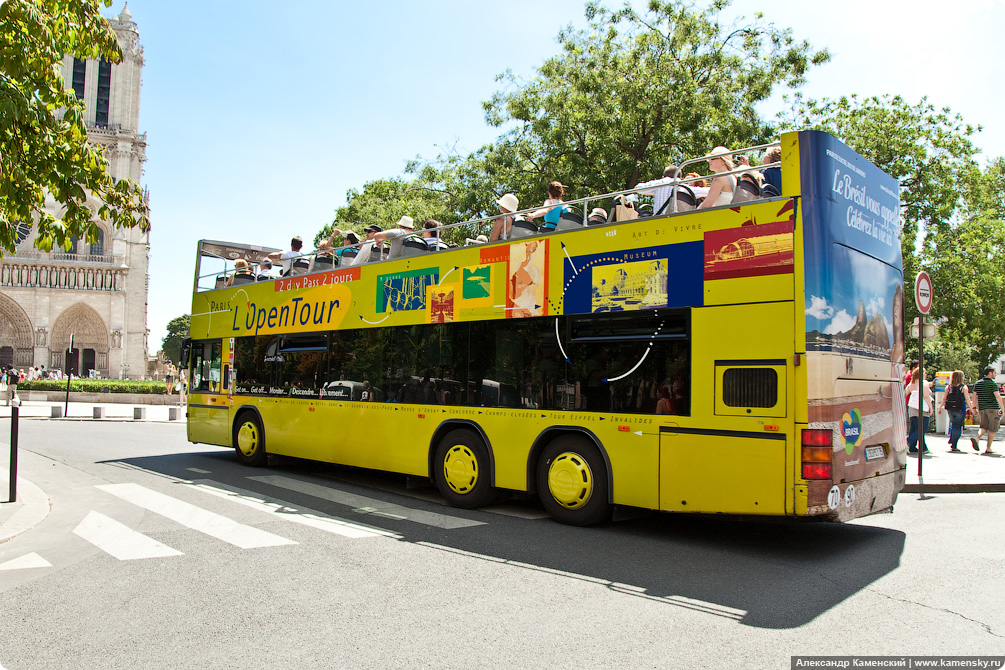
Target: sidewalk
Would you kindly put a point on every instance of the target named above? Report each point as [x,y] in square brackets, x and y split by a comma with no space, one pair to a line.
[84,411]
[968,471]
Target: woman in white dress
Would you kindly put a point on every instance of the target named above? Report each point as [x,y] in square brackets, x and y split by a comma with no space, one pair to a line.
[723,185]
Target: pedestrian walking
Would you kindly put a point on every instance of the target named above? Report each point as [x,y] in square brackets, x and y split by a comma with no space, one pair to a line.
[989,407]
[916,387]
[955,400]
[12,380]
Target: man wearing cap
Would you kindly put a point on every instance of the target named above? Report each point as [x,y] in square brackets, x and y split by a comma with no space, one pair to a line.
[598,217]
[507,205]
[367,247]
[396,236]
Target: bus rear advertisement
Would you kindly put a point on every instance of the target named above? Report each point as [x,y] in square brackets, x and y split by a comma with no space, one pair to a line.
[741,359]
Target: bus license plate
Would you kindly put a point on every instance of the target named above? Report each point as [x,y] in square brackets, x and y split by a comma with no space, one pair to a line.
[872,453]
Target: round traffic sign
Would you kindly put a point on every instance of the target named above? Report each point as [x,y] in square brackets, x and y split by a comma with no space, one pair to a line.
[923,292]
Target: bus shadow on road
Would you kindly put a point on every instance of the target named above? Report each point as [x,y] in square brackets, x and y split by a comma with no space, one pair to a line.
[771,573]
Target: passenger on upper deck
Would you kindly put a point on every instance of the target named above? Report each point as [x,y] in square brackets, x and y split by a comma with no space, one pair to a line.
[697,183]
[241,269]
[598,216]
[396,236]
[661,189]
[285,258]
[551,212]
[430,236]
[773,175]
[265,272]
[723,185]
[742,160]
[367,247]
[507,205]
[324,257]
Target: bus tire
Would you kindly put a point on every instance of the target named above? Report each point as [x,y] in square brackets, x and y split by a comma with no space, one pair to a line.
[461,467]
[249,440]
[572,482]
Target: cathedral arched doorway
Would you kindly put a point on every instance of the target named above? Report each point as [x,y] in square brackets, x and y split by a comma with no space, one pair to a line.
[90,342]
[16,343]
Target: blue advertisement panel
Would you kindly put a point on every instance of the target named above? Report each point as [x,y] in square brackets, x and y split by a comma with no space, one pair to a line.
[851,234]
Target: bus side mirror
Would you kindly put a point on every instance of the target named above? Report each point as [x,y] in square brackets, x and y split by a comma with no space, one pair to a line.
[186,349]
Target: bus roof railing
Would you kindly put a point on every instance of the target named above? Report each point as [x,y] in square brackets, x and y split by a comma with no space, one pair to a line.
[226,250]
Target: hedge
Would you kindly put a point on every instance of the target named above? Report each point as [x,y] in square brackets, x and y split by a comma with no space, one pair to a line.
[96,386]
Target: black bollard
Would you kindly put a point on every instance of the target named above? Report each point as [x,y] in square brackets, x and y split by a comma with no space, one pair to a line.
[13,453]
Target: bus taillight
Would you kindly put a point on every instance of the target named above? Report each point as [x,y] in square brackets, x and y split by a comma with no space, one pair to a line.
[818,454]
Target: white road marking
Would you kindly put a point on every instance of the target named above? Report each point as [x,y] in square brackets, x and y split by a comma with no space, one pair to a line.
[365,505]
[120,540]
[282,510]
[31,560]
[196,518]
[197,470]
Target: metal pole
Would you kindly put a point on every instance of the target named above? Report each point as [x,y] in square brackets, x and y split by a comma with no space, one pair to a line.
[13,454]
[921,393]
[66,404]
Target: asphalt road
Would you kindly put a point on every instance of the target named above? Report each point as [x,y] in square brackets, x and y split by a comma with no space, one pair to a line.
[163,554]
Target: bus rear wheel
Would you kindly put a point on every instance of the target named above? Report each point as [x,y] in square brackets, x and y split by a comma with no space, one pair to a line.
[461,468]
[572,482]
[249,440]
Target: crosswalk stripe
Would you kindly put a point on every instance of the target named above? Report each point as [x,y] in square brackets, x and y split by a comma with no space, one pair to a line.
[281,510]
[196,518]
[31,560]
[120,540]
[365,505]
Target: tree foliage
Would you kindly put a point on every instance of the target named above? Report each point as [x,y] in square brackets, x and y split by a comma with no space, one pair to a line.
[43,139]
[633,92]
[931,152]
[177,330]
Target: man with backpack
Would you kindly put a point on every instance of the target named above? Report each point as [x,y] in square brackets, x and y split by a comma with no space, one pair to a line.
[989,406]
[954,400]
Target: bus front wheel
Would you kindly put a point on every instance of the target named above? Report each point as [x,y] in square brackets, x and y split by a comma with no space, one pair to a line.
[572,482]
[462,470]
[249,440]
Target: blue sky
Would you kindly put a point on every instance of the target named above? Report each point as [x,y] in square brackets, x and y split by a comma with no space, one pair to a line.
[260,116]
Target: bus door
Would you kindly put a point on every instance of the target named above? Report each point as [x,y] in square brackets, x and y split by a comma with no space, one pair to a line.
[731,457]
[208,401]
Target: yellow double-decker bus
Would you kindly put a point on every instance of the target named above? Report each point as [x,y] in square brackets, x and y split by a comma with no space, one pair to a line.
[741,359]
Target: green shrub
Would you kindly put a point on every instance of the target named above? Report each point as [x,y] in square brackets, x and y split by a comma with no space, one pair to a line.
[96,386]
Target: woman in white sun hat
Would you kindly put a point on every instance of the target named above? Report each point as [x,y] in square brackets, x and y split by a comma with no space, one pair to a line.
[507,205]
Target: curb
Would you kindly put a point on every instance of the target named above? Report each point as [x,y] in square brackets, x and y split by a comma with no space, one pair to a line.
[35,506]
[953,488]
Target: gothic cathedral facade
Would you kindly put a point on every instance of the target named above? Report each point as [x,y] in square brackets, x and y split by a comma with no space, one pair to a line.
[96,291]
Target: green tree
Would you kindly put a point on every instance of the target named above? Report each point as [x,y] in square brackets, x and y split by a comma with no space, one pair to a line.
[177,330]
[930,150]
[965,266]
[637,90]
[43,140]
[631,93]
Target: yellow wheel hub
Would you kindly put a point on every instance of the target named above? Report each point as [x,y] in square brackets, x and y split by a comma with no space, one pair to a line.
[570,480]
[248,439]
[460,469]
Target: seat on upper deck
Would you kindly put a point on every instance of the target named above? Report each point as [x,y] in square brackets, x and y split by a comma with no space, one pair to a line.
[769,191]
[323,262]
[747,189]
[299,266]
[413,246]
[571,219]
[243,278]
[523,228]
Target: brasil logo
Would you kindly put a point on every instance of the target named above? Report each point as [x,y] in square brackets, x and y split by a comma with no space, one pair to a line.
[851,430]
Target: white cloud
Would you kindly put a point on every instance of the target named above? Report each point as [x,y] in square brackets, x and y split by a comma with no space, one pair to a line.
[875,306]
[843,321]
[819,308]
